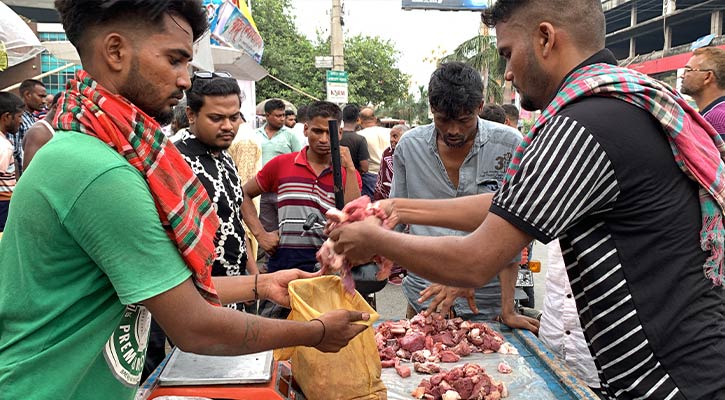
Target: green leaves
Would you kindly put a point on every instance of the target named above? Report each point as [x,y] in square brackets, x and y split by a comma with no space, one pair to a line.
[480,53]
[373,77]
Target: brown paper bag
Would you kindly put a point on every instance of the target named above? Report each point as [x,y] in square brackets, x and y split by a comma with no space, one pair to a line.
[351,373]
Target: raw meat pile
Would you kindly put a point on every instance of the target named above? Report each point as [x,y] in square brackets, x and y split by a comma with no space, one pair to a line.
[426,341]
[331,262]
[469,381]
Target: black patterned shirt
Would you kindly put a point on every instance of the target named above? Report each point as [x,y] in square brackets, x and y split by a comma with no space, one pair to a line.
[219,176]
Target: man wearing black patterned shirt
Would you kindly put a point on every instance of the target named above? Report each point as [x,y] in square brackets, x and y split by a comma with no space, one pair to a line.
[628,202]
[213,110]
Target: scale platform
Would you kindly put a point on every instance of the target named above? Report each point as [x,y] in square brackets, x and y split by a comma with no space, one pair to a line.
[252,376]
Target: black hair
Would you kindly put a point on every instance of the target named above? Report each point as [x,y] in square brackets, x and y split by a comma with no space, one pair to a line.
[350,113]
[215,86]
[455,89]
[511,111]
[287,113]
[584,19]
[493,112]
[81,17]
[324,109]
[28,85]
[10,103]
[273,105]
[56,97]
[302,114]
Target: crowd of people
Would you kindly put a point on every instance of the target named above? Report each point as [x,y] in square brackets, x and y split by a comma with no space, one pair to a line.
[150,195]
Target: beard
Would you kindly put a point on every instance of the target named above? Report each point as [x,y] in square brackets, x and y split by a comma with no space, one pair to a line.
[141,92]
[454,144]
[685,89]
[536,82]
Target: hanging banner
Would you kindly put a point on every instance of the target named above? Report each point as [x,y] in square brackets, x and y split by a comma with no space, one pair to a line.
[448,5]
[231,25]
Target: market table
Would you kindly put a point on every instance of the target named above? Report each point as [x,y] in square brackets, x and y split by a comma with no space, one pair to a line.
[537,374]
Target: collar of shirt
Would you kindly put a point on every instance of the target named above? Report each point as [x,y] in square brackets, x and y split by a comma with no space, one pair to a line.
[301,160]
[602,56]
[261,131]
[712,105]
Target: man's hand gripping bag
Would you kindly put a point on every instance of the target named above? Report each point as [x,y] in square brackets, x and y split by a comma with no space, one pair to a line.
[351,373]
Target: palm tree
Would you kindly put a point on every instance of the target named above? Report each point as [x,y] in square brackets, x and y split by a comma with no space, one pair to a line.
[480,53]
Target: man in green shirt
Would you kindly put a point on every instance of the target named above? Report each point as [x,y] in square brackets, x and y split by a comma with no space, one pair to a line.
[111,224]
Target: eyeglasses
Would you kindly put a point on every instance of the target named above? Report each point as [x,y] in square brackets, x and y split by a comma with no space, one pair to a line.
[688,69]
[210,75]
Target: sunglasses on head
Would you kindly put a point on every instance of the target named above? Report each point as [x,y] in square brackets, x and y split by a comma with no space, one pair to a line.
[210,75]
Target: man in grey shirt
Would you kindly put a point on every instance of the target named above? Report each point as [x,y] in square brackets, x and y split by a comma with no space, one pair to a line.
[457,155]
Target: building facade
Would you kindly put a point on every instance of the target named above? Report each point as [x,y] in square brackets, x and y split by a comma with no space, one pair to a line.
[656,37]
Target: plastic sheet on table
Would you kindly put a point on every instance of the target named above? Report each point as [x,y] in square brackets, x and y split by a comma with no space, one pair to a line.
[522,383]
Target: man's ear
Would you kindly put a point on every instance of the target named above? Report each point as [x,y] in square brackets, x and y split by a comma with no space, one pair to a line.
[547,37]
[116,51]
[190,115]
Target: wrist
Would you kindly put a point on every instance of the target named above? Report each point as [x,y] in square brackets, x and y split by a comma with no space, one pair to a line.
[318,332]
[261,286]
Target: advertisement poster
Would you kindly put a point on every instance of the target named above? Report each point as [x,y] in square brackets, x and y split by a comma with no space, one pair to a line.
[232,25]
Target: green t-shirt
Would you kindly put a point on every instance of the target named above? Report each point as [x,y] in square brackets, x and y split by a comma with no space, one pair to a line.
[83,245]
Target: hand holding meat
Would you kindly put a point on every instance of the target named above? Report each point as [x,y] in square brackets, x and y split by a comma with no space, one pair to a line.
[347,229]
[339,328]
[443,298]
[269,241]
[273,286]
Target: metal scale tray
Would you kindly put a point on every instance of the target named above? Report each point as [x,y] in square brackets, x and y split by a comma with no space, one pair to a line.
[184,369]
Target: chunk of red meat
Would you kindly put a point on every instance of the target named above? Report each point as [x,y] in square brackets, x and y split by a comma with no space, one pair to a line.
[387,353]
[354,211]
[427,368]
[437,378]
[388,363]
[412,342]
[448,356]
[462,349]
[445,338]
[463,386]
[402,370]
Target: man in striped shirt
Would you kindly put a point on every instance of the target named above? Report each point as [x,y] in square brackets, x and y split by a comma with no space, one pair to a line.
[33,93]
[11,108]
[601,177]
[303,183]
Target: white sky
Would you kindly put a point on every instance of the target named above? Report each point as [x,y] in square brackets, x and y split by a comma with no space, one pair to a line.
[417,34]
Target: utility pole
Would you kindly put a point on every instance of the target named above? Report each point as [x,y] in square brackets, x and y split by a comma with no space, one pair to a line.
[336,41]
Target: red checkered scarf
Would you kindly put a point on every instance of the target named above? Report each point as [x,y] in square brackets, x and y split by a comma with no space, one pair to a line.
[184,207]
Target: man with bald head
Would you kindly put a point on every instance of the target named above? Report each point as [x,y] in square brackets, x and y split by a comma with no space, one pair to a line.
[637,212]
[111,224]
[378,139]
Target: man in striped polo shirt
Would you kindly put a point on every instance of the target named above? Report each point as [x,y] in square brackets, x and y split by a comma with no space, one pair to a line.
[303,183]
[597,171]
[11,108]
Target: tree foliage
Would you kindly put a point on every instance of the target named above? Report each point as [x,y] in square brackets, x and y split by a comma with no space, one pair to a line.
[413,109]
[370,62]
[480,53]
[288,55]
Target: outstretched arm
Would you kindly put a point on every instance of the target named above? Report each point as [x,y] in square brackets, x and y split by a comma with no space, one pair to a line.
[450,260]
[206,329]
[461,213]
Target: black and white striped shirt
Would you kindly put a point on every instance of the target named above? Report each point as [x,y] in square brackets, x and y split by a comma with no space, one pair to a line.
[601,178]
